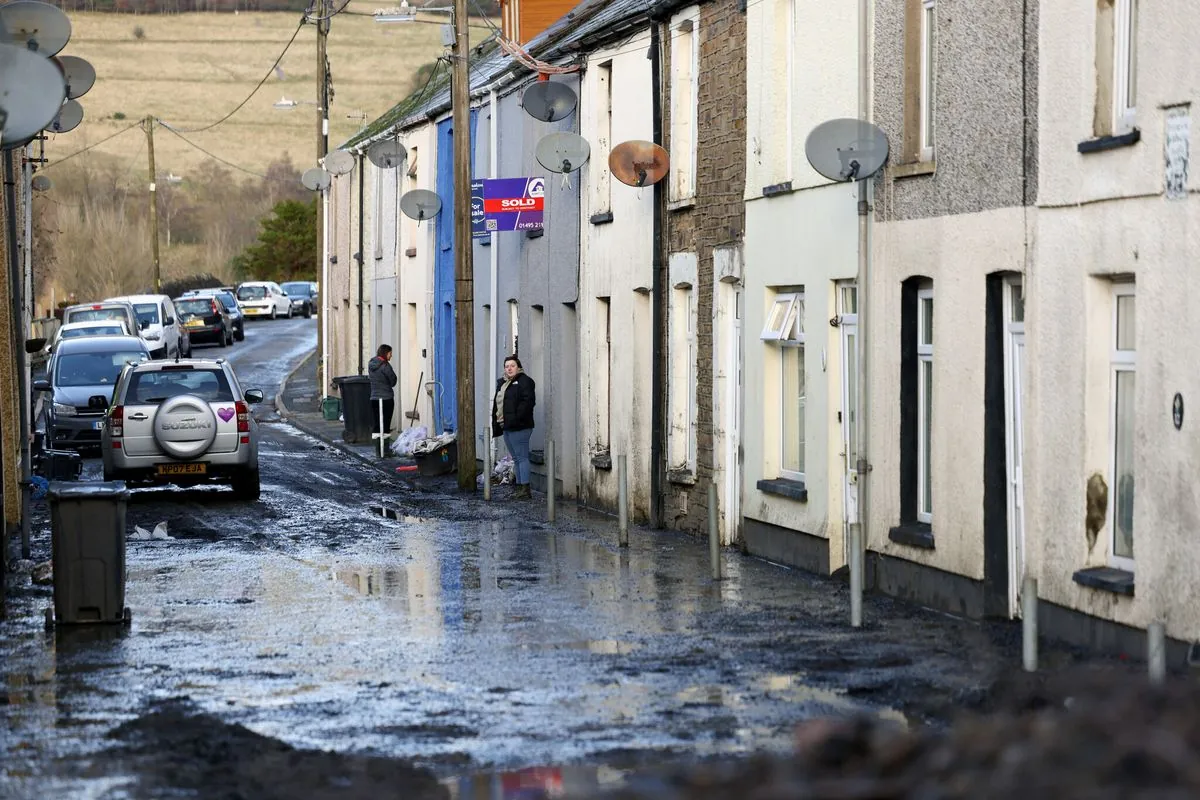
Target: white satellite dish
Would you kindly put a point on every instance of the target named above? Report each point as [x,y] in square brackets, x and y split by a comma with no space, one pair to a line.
[315,179]
[562,152]
[31,93]
[339,162]
[549,101]
[39,183]
[68,119]
[79,75]
[846,149]
[420,204]
[387,154]
[35,26]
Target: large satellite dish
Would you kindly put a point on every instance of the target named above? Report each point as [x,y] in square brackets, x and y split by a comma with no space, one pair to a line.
[420,204]
[549,101]
[315,179]
[562,152]
[639,163]
[339,162]
[387,154]
[31,93]
[79,75]
[846,149]
[68,119]
[36,26]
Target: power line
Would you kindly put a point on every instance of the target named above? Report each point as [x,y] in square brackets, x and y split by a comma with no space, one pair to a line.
[92,146]
[217,157]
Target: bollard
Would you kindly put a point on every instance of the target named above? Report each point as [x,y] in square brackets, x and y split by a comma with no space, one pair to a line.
[1156,652]
[487,467]
[382,435]
[622,503]
[856,575]
[714,536]
[1029,624]
[550,480]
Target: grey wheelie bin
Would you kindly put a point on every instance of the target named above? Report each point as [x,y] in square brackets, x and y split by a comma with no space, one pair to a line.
[356,407]
[87,522]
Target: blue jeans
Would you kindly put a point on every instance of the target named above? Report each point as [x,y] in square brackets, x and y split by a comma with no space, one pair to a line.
[517,443]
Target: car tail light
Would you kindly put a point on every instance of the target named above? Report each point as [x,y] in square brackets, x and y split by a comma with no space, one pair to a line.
[243,414]
[215,309]
[116,423]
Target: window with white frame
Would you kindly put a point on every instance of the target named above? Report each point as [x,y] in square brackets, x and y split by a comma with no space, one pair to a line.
[602,368]
[685,54]
[1124,372]
[928,90]
[1124,64]
[785,329]
[603,105]
[683,349]
[512,327]
[924,345]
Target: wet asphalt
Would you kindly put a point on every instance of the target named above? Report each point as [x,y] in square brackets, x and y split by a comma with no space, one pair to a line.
[473,641]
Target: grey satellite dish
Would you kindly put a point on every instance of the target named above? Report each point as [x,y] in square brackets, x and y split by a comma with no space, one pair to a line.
[68,119]
[549,101]
[387,154]
[420,204]
[315,179]
[339,162]
[846,149]
[562,152]
[36,26]
[31,93]
[40,183]
[79,74]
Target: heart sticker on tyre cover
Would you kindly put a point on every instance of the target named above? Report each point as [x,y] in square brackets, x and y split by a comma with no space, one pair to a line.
[226,414]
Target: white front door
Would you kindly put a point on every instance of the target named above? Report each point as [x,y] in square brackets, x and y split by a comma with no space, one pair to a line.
[1014,379]
[847,300]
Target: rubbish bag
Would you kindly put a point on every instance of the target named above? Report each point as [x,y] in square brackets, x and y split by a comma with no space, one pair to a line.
[403,446]
[505,471]
[428,445]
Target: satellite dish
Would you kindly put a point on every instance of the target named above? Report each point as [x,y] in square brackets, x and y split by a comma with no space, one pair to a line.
[387,154]
[420,204]
[562,152]
[549,101]
[35,26]
[315,179]
[846,149]
[40,183]
[79,75]
[31,93]
[639,163]
[339,162]
[68,119]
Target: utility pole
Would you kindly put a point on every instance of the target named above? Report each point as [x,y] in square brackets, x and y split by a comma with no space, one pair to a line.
[322,151]
[149,123]
[464,285]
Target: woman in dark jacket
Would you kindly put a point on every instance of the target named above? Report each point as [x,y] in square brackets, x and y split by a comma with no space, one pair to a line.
[512,416]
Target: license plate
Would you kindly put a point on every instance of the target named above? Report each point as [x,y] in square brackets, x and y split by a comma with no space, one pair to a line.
[194,323]
[98,425]
[182,469]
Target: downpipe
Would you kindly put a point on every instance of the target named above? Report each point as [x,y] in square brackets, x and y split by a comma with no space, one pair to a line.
[657,316]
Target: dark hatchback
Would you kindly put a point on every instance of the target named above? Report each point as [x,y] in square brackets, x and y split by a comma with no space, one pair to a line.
[303,295]
[231,306]
[205,319]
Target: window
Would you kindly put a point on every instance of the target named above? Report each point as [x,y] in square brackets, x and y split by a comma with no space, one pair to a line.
[924,345]
[603,371]
[685,52]
[1124,371]
[512,327]
[1125,59]
[785,329]
[928,76]
[599,173]
[683,349]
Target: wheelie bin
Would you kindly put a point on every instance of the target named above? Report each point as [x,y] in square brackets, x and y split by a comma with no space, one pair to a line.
[356,407]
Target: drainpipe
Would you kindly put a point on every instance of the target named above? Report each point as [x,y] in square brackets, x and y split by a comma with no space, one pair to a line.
[359,255]
[494,270]
[657,391]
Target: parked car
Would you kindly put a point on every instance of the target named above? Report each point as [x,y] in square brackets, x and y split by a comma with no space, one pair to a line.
[158,324]
[74,330]
[102,312]
[225,295]
[205,319]
[303,295]
[264,299]
[82,369]
[183,422]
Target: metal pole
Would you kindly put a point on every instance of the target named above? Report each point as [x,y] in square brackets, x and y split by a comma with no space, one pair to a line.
[18,342]
[362,179]
[1029,624]
[153,206]
[323,228]
[464,280]
[550,480]
[382,435]
[856,575]
[622,503]
[494,266]
[714,540]
[1156,652]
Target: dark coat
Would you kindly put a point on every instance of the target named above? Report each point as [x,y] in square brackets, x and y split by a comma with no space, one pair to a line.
[383,379]
[519,401]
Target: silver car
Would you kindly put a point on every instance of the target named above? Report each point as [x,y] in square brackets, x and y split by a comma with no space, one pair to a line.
[183,422]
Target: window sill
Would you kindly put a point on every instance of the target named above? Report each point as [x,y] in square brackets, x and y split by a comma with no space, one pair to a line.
[793,490]
[912,170]
[411,252]
[682,205]
[681,477]
[1102,143]
[602,460]
[913,534]
[1106,579]
[603,218]
[777,189]
[537,456]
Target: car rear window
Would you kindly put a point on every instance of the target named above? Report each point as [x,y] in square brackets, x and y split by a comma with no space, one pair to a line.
[98,330]
[251,292]
[92,369]
[158,385]
[297,289]
[201,306]
[96,314]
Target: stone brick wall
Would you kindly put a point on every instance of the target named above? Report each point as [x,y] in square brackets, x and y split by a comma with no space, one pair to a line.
[717,217]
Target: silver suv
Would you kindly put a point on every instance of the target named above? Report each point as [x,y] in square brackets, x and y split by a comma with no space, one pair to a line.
[182,422]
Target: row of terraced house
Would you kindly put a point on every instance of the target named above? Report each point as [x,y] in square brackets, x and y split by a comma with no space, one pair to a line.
[1028,314]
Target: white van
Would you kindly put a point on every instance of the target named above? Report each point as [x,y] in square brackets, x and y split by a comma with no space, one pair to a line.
[158,325]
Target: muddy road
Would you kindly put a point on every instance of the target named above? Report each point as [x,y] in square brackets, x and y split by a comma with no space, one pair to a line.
[304,645]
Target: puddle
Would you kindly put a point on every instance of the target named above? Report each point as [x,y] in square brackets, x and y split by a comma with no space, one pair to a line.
[607,647]
[389,511]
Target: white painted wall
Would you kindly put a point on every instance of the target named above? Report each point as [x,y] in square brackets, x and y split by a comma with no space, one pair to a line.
[615,262]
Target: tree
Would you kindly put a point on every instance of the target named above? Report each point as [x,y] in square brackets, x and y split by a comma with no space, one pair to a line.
[287,245]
